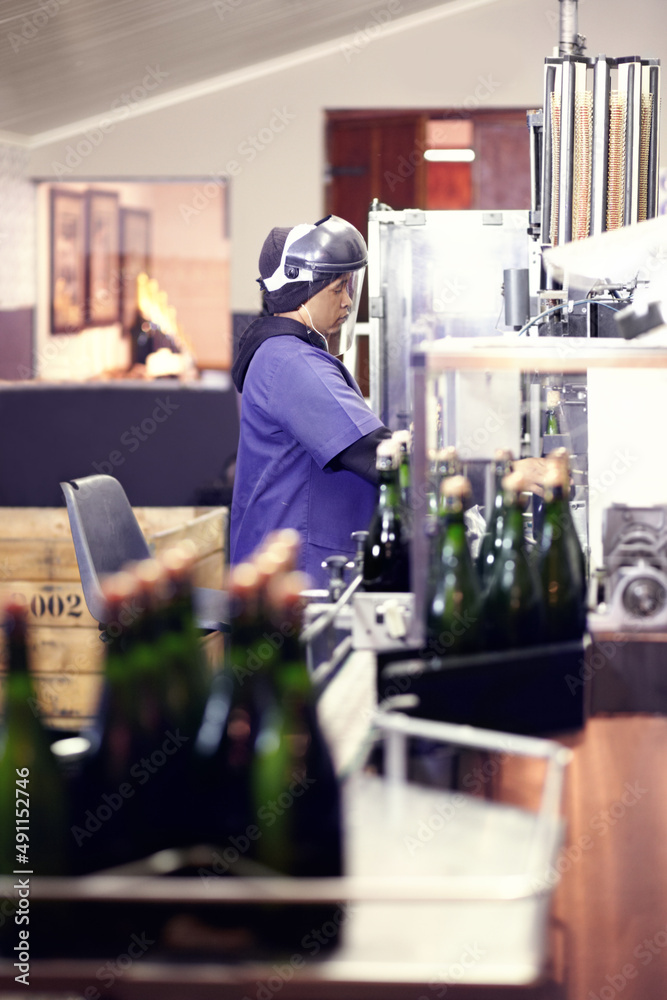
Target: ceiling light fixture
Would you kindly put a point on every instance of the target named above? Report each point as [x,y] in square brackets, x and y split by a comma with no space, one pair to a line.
[449,155]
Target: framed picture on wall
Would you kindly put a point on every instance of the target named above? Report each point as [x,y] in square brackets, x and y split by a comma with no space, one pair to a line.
[135,253]
[68,258]
[102,258]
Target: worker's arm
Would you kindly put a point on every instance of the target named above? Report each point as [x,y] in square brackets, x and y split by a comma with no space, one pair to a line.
[360,456]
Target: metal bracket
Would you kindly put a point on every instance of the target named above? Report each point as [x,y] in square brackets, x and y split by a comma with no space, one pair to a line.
[376,307]
[382,621]
[415,217]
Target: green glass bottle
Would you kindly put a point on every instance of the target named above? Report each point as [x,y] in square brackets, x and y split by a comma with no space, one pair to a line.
[432,503]
[160,772]
[432,486]
[386,551]
[145,650]
[446,465]
[292,760]
[553,408]
[225,744]
[513,606]
[454,604]
[240,696]
[33,797]
[295,788]
[492,538]
[560,459]
[183,680]
[137,766]
[558,566]
[185,676]
[402,440]
[105,809]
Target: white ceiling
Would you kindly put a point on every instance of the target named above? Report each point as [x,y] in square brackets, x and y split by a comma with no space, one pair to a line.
[63,62]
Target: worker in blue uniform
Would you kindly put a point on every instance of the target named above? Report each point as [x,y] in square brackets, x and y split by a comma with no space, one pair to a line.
[306,456]
[308,440]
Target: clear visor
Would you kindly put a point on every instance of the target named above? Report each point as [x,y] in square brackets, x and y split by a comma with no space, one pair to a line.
[333,310]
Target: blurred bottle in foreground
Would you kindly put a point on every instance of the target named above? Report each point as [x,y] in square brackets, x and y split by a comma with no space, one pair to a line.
[132,797]
[266,783]
[225,743]
[33,806]
[105,813]
[185,676]
[295,788]
[292,761]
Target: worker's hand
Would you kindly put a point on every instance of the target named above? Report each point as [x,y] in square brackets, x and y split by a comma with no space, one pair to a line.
[532,471]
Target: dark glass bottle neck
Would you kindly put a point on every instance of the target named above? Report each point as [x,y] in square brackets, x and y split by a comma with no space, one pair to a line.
[388,487]
[556,510]
[554,494]
[404,471]
[455,529]
[502,469]
[513,528]
[16,644]
[448,467]
[552,421]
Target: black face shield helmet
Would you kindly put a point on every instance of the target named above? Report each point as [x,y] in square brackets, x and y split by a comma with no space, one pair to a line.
[318,254]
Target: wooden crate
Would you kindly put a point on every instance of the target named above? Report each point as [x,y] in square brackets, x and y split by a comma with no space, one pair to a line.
[38,565]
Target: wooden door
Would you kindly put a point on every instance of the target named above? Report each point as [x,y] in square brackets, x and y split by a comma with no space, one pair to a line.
[380,154]
[372,155]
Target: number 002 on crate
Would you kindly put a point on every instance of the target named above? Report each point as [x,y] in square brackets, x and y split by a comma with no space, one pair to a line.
[38,564]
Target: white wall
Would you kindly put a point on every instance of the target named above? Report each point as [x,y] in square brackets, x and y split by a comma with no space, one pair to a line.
[489,55]
[18,288]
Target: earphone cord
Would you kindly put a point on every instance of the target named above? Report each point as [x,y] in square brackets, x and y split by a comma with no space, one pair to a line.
[312,325]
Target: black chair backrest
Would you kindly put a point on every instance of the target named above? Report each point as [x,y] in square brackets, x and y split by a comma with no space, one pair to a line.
[105,532]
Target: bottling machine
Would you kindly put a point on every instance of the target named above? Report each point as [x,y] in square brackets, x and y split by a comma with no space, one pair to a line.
[477,341]
[438,277]
[594,168]
[434,275]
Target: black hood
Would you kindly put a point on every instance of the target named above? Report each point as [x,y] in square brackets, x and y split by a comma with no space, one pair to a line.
[260,330]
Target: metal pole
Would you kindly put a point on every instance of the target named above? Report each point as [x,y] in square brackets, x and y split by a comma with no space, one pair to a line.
[653,69]
[569,35]
[600,167]
[565,180]
[548,194]
[420,543]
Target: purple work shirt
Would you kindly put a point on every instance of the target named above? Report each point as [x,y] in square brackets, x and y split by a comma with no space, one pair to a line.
[300,408]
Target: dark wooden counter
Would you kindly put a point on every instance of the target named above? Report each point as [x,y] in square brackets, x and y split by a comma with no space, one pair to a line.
[165,440]
[612,902]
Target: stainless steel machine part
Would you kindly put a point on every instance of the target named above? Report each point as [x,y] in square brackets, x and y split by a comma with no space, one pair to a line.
[571,42]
